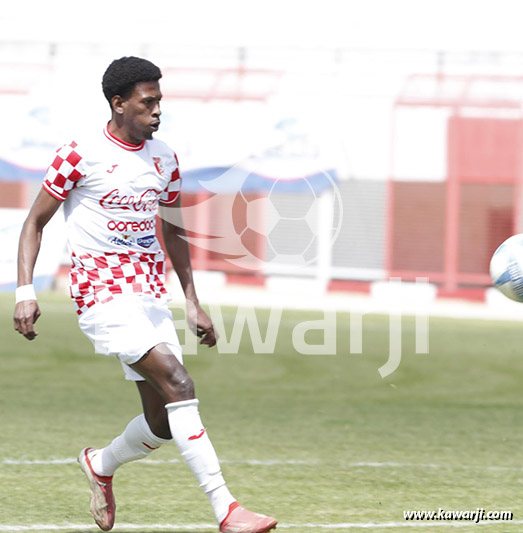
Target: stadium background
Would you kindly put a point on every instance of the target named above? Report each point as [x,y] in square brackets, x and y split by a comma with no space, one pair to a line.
[418,122]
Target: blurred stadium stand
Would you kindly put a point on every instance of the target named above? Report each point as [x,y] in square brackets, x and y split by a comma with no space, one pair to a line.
[424,148]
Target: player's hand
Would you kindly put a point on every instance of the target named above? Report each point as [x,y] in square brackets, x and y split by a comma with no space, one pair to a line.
[201,324]
[26,314]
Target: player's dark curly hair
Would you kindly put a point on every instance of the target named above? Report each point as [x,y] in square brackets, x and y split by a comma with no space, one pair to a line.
[123,74]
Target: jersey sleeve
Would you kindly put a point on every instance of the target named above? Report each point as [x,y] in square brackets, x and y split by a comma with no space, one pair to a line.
[172,191]
[65,172]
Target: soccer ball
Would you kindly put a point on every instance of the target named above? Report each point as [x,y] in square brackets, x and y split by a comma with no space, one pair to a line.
[506,268]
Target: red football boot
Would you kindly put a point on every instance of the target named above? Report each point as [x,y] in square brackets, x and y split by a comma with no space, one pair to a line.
[102,499]
[240,520]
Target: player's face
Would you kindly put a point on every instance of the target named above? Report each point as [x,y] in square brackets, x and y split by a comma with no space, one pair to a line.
[141,111]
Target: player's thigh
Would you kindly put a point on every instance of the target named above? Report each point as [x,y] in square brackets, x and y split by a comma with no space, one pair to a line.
[163,371]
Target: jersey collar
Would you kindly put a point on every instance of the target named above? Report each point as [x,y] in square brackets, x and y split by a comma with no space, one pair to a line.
[122,144]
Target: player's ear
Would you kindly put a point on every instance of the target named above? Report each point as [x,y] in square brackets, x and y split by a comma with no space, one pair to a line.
[117,104]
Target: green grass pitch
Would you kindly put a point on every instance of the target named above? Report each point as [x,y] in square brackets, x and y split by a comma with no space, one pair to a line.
[335,442]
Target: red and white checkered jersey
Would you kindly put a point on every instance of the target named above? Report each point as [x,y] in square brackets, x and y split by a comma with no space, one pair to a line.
[111,191]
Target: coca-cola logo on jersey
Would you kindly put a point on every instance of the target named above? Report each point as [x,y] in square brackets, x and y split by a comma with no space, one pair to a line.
[147,201]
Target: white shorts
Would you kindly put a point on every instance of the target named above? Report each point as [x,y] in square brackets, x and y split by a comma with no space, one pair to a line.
[128,326]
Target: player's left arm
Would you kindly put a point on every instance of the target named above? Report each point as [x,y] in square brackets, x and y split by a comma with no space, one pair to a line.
[178,251]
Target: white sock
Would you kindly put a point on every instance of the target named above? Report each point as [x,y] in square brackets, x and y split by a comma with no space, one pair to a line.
[197,450]
[136,442]
[220,500]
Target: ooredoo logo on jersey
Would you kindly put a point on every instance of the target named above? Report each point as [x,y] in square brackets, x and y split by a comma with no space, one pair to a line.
[129,225]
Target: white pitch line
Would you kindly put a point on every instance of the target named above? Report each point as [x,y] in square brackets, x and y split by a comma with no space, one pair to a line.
[71,460]
[391,525]
[249,462]
[279,462]
[385,525]
[198,527]
[38,461]
[392,464]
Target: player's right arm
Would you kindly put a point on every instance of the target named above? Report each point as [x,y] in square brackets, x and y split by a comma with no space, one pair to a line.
[27,311]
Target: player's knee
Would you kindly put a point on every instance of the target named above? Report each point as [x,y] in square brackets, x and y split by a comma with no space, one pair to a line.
[183,385]
[186,388]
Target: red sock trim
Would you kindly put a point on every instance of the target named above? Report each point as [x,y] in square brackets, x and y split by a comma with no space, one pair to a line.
[150,447]
[233,506]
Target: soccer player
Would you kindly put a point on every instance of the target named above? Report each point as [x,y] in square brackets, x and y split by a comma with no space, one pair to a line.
[112,185]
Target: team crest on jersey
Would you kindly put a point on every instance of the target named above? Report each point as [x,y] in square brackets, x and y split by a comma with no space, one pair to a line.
[158,164]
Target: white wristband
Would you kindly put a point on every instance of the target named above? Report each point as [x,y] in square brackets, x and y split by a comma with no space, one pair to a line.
[25,292]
